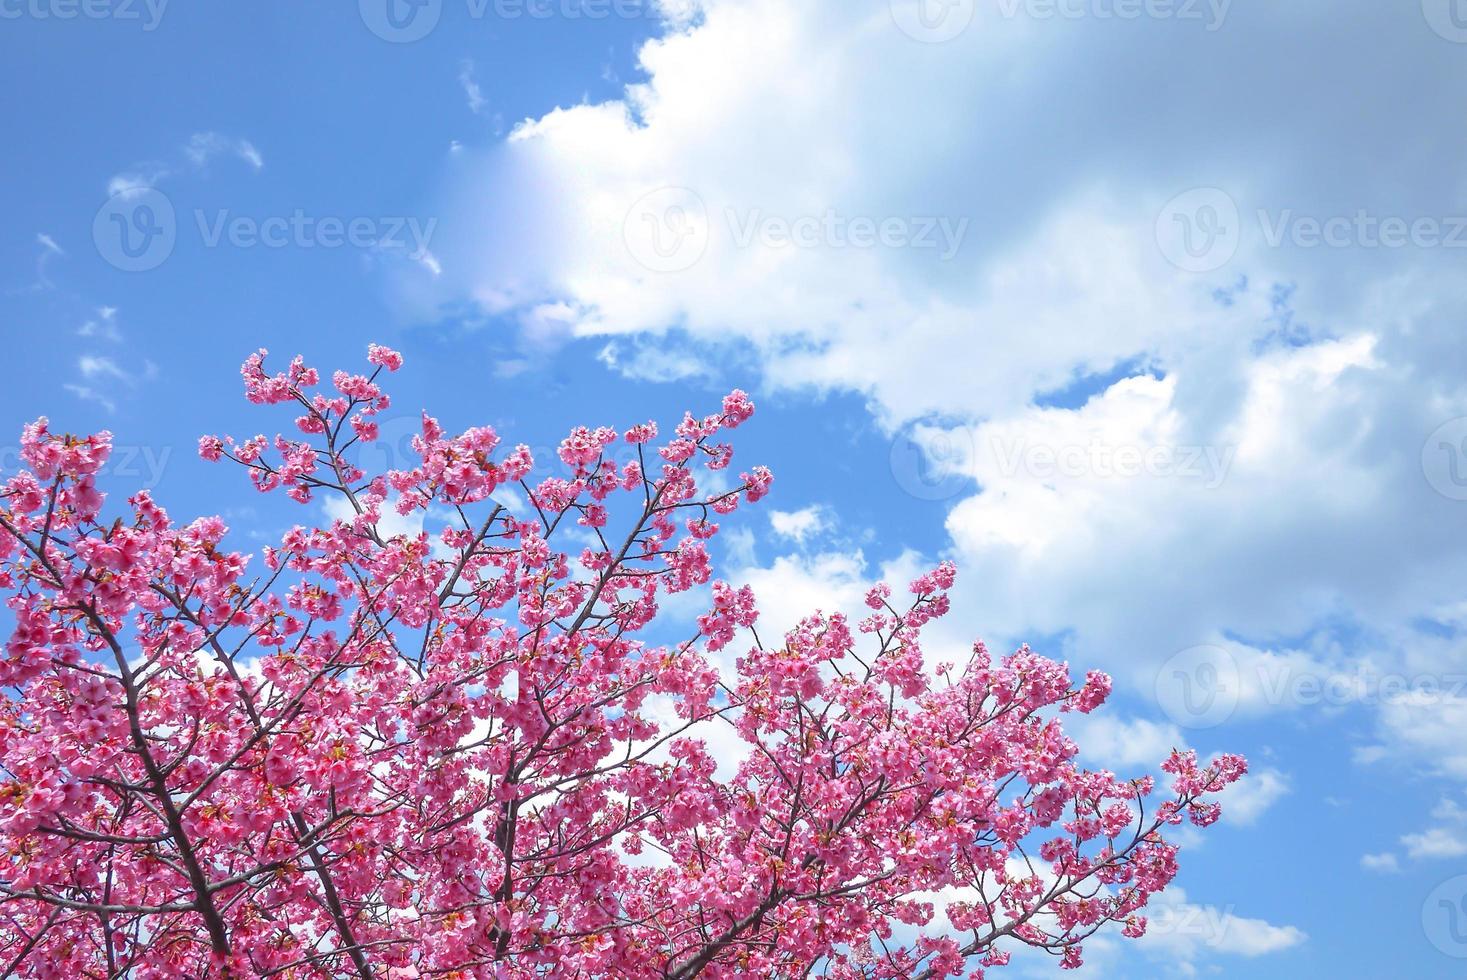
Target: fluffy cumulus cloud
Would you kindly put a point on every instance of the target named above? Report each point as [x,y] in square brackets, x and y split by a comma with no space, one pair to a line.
[1184,930]
[1110,740]
[1427,725]
[1384,863]
[1196,368]
[1444,840]
[797,525]
[872,228]
[794,586]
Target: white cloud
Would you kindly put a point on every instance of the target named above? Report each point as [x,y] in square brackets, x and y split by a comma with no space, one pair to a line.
[1186,930]
[797,525]
[1138,744]
[389,525]
[1438,842]
[1182,937]
[89,394]
[795,586]
[1128,481]
[1449,809]
[1123,744]
[103,325]
[134,182]
[204,147]
[250,155]
[201,149]
[1427,727]
[1385,863]
[1369,754]
[1059,271]
[1282,497]
[1247,799]
[723,742]
[473,94]
[1448,839]
[92,366]
[49,250]
[103,378]
[1269,419]
[647,362]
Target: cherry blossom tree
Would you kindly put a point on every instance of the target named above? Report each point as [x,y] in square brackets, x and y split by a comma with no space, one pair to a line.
[479,750]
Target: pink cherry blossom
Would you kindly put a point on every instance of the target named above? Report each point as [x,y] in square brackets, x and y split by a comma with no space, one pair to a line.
[479,750]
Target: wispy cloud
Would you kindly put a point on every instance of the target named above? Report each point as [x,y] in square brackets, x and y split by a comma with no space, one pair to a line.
[652,361]
[1448,839]
[136,181]
[205,146]
[89,394]
[472,92]
[250,155]
[48,252]
[92,366]
[103,379]
[103,326]
[195,155]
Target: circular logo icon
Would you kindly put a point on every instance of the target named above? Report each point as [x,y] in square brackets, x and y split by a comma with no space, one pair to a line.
[667,229]
[1447,17]
[932,463]
[1444,917]
[135,230]
[1444,459]
[932,21]
[1199,230]
[400,21]
[1198,687]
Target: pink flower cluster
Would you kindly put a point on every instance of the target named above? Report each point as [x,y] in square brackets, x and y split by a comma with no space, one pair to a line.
[460,753]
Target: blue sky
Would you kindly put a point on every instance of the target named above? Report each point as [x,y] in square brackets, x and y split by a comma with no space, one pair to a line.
[1148,314]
